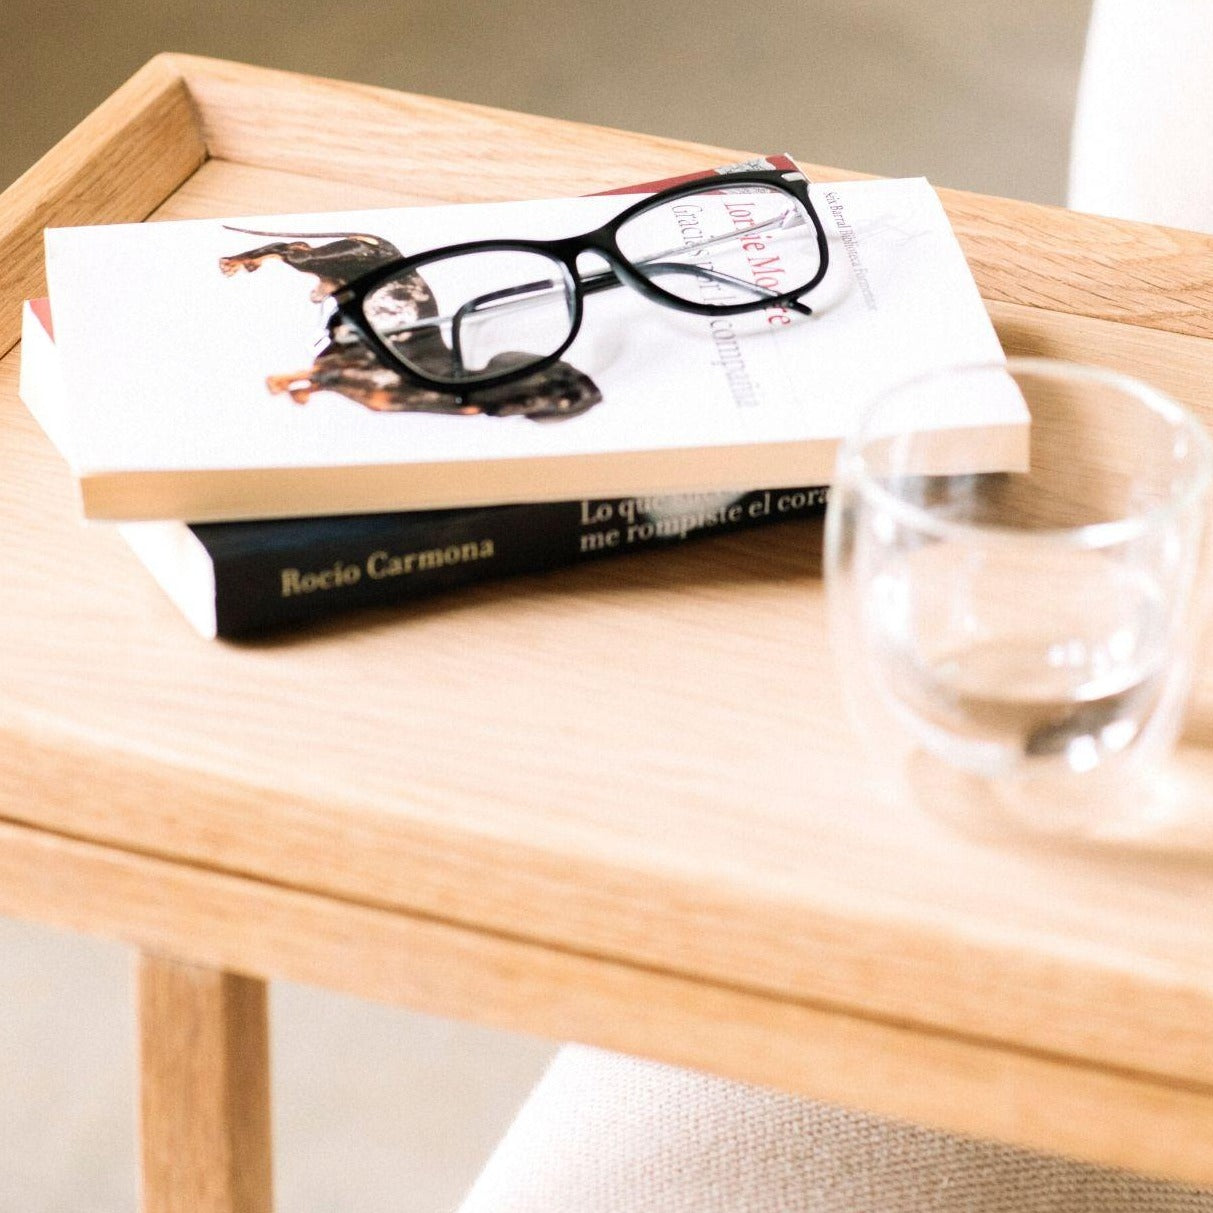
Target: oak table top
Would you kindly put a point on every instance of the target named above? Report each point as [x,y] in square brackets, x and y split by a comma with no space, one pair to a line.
[620,803]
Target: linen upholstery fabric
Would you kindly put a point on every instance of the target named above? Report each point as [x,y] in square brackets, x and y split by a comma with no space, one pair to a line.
[605,1133]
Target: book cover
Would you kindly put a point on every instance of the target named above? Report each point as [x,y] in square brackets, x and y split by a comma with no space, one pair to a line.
[237,579]
[195,391]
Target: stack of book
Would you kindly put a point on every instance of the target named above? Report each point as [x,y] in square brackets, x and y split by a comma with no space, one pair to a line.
[191,375]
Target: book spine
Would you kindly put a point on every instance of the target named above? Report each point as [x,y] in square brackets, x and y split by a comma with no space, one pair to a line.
[273,576]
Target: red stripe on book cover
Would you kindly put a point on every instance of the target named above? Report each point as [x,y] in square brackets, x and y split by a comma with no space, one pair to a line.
[779,161]
[42,309]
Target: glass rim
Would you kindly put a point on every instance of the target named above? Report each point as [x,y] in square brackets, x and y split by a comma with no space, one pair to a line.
[1089,535]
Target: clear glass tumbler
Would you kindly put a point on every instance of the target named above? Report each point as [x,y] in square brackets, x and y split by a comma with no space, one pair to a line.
[1035,627]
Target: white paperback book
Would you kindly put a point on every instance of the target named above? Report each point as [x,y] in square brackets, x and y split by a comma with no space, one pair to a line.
[194,390]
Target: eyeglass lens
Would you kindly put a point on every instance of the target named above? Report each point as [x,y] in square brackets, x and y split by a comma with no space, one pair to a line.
[728,245]
[473,315]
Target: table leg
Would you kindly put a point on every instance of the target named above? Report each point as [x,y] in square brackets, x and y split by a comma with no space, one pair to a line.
[205,1100]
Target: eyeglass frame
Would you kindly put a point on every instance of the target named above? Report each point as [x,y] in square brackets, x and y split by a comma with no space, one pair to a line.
[350,298]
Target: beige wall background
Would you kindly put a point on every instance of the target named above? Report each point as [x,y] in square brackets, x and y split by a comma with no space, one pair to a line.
[377,1108]
[972,93]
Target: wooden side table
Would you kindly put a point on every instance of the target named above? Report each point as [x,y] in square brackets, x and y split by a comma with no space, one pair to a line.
[617,804]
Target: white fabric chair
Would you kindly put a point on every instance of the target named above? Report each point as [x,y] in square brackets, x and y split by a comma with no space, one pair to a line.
[604,1133]
[1143,125]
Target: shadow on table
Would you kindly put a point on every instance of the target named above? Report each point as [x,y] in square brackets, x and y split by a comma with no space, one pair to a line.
[1159,820]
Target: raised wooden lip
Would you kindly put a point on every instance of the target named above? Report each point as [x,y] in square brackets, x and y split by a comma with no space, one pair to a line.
[116,166]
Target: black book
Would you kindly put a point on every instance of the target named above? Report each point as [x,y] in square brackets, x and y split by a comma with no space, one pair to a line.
[276,574]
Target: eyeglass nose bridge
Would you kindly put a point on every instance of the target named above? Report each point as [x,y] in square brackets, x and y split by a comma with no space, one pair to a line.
[600,243]
[616,271]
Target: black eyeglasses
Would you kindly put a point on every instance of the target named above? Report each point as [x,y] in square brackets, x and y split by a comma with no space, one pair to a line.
[474,315]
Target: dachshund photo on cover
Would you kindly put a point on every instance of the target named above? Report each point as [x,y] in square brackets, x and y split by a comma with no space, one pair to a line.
[347,365]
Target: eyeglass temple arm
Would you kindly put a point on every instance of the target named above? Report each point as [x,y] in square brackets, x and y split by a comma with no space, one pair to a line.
[607,280]
[777,221]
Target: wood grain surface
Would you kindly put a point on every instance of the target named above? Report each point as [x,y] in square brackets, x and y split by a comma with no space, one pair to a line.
[639,770]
